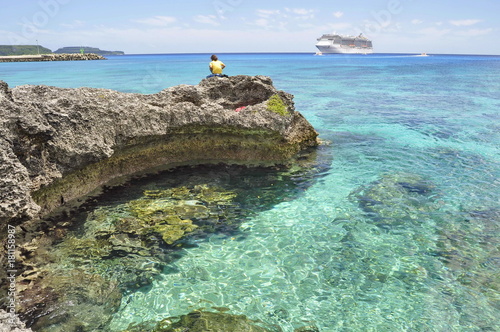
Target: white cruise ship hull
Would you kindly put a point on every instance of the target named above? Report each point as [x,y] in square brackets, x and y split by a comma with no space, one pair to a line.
[336,49]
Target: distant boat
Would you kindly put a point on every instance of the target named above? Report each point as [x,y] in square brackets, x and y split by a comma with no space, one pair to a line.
[422,54]
[334,43]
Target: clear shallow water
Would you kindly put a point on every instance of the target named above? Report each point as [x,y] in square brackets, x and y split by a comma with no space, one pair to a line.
[421,260]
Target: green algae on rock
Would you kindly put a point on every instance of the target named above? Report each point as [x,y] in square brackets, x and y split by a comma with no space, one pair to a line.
[169,212]
[275,104]
[129,237]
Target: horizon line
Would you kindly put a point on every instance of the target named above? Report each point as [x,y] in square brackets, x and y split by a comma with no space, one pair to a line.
[301,52]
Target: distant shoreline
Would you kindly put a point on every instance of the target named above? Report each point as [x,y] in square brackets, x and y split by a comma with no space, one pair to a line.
[311,53]
[51,57]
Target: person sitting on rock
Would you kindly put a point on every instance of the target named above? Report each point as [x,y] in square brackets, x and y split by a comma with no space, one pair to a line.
[216,67]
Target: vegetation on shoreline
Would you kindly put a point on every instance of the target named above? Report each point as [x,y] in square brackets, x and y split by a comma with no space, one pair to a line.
[87,49]
[23,50]
[6,50]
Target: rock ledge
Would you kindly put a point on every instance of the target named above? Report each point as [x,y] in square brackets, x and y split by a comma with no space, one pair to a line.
[57,145]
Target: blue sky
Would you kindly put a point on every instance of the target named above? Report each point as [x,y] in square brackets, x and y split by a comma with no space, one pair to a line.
[216,26]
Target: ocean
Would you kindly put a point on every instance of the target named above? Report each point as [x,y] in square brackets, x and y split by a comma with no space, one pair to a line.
[396,227]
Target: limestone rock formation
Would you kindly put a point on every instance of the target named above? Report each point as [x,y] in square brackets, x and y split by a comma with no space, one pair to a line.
[60,144]
[8,324]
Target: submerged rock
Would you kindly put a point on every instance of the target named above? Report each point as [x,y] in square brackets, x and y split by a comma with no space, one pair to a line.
[310,328]
[200,321]
[117,250]
[470,249]
[396,199]
[123,243]
[73,300]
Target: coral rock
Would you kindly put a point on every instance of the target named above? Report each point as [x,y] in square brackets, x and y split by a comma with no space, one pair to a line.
[61,144]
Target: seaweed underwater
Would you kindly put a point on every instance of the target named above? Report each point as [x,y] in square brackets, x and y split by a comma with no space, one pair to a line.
[77,271]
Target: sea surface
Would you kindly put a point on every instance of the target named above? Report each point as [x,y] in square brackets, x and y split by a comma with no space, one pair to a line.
[396,230]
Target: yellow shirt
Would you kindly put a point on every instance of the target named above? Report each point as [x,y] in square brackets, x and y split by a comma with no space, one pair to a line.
[216,67]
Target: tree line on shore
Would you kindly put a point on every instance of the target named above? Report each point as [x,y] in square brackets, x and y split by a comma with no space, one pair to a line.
[6,50]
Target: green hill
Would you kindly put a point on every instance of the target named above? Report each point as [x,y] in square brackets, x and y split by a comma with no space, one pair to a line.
[87,49]
[23,50]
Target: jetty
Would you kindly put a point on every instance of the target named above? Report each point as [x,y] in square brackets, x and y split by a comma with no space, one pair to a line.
[51,57]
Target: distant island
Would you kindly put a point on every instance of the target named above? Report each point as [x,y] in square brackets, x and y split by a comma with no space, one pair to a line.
[7,50]
[86,49]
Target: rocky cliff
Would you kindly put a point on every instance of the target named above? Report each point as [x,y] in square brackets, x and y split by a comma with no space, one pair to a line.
[58,145]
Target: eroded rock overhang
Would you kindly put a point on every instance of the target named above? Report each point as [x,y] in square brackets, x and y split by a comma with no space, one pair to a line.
[61,144]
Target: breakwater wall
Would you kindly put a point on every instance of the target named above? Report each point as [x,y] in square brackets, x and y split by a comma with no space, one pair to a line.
[51,57]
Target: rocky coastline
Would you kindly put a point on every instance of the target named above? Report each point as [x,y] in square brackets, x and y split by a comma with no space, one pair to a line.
[59,146]
[51,57]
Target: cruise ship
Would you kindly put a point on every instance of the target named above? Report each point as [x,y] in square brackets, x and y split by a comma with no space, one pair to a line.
[333,43]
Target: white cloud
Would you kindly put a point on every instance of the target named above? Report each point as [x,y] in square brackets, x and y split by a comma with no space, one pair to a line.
[73,25]
[207,19]
[416,21]
[474,32]
[282,19]
[434,32]
[301,13]
[461,23]
[306,25]
[165,40]
[338,14]
[337,27]
[269,19]
[261,22]
[267,13]
[157,21]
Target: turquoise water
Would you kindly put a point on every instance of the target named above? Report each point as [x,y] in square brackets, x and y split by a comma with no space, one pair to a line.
[399,233]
